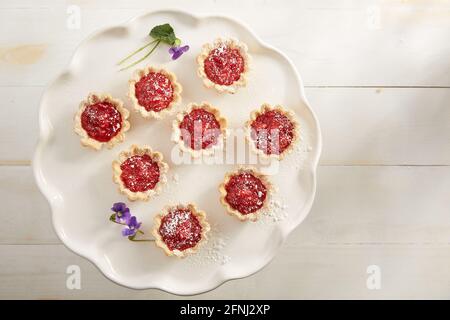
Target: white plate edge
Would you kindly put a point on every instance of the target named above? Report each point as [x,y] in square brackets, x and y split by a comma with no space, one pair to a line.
[45,134]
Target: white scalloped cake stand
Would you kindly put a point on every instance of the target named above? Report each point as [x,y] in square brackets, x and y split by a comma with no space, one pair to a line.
[77,181]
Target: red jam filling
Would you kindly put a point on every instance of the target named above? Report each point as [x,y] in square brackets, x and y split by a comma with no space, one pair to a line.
[101,121]
[180,229]
[245,193]
[272,132]
[200,129]
[154,91]
[139,173]
[224,65]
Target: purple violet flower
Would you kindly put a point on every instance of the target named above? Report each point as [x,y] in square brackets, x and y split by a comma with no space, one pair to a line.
[122,212]
[176,52]
[132,227]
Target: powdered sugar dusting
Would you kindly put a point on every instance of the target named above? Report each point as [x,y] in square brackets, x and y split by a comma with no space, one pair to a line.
[246,193]
[101,121]
[224,65]
[177,217]
[180,229]
[154,91]
[275,211]
[301,151]
[171,188]
[211,252]
[220,49]
[140,173]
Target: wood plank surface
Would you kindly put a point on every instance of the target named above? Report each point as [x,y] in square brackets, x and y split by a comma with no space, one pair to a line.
[350,43]
[378,77]
[39,272]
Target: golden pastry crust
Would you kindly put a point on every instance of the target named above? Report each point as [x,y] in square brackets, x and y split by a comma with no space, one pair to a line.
[265,108]
[93,98]
[200,215]
[176,131]
[177,89]
[233,44]
[133,151]
[223,193]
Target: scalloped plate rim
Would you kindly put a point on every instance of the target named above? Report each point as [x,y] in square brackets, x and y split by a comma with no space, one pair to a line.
[45,134]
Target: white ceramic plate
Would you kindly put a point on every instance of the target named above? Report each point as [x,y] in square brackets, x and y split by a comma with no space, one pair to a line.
[77,181]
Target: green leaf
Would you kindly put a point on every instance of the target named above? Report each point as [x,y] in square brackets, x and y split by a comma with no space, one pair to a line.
[112,217]
[131,237]
[164,33]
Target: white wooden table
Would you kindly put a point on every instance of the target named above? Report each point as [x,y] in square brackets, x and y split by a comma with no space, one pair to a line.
[378,77]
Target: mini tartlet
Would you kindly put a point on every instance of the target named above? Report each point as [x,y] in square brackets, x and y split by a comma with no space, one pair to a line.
[180,230]
[224,64]
[140,172]
[154,92]
[245,193]
[186,133]
[272,131]
[101,120]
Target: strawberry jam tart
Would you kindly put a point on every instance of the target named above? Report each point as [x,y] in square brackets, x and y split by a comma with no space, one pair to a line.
[101,120]
[224,64]
[200,129]
[180,230]
[154,92]
[140,172]
[272,131]
[244,193]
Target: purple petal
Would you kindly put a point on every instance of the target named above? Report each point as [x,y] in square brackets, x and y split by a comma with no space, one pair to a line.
[126,232]
[126,213]
[126,219]
[176,55]
[123,217]
[178,51]
[133,223]
[119,207]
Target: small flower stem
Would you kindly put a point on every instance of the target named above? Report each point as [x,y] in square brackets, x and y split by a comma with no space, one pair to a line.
[124,224]
[142,240]
[144,57]
[134,52]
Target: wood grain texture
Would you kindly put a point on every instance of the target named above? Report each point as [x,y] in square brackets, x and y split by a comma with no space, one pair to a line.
[19,138]
[39,272]
[383,126]
[377,75]
[352,43]
[31,221]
